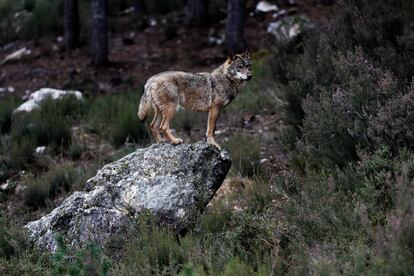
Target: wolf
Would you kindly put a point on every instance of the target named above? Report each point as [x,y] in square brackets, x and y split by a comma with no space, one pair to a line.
[202,92]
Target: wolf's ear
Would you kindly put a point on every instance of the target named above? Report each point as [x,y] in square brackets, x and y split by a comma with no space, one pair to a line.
[230,56]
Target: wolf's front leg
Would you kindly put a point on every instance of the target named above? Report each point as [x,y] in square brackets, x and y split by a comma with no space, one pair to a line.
[213,115]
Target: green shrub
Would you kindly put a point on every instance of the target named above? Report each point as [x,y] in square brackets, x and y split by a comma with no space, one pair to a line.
[40,191]
[221,241]
[19,153]
[115,117]
[339,79]
[337,120]
[50,124]
[7,105]
[16,255]
[153,250]
[245,153]
[45,19]
[45,129]
[75,151]
[391,125]
[87,261]
[7,10]
[47,126]
[236,267]
[6,7]
[68,107]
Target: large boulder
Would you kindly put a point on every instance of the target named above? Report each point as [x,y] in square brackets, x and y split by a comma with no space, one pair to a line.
[175,183]
[287,28]
[36,98]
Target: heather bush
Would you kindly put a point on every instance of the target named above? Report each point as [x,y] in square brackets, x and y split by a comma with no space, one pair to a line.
[393,123]
[339,82]
[336,217]
[382,28]
[337,119]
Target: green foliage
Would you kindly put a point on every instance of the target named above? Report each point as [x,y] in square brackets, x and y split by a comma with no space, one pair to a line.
[245,152]
[50,124]
[236,267]
[75,151]
[47,126]
[115,117]
[153,250]
[18,153]
[223,241]
[44,128]
[7,105]
[40,191]
[16,255]
[6,7]
[341,86]
[45,19]
[348,213]
[30,19]
[88,261]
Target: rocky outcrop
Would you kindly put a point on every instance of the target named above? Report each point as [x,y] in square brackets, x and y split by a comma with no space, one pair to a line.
[174,182]
[287,28]
[39,96]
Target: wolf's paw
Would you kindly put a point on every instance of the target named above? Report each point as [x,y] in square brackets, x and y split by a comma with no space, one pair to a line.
[177,141]
[213,142]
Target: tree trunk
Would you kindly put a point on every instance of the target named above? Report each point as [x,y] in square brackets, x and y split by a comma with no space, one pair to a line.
[71,23]
[99,41]
[234,26]
[198,11]
[139,7]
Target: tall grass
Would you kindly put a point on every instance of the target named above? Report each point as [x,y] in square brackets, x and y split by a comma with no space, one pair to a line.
[115,117]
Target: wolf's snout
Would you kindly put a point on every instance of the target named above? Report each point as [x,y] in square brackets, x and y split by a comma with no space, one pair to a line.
[249,77]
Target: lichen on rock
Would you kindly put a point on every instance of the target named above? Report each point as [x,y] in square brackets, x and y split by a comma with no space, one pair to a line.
[175,183]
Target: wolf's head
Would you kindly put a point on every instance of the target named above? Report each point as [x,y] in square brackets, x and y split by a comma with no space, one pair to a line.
[238,66]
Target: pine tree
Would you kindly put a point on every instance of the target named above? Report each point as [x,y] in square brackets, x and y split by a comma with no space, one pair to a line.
[99,41]
[71,23]
[198,11]
[235,25]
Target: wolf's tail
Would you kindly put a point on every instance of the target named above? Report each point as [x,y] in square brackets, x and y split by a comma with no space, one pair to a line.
[144,107]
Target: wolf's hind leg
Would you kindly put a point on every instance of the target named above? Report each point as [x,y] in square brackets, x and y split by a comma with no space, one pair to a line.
[213,115]
[155,126]
[167,115]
